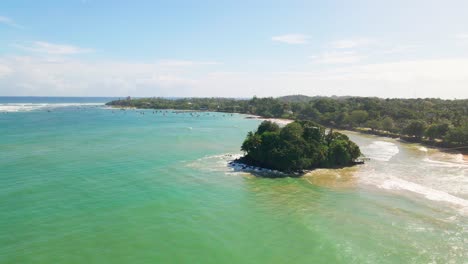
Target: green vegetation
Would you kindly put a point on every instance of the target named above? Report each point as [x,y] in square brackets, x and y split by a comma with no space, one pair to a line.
[300,145]
[437,122]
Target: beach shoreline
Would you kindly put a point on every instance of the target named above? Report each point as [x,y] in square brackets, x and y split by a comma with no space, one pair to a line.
[285,121]
[278,121]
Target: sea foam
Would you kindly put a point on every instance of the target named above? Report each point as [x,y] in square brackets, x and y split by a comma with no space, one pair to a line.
[427,192]
[448,164]
[26,107]
[380,150]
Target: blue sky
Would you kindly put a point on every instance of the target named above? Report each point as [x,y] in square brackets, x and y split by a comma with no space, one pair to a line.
[234,48]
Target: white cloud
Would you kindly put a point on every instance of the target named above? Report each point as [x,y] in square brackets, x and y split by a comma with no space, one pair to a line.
[53,49]
[352,43]
[400,49]
[444,78]
[185,63]
[8,21]
[448,70]
[462,36]
[462,39]
[4,70]
[33,75]
[337,57]
[292,38]
[26,75]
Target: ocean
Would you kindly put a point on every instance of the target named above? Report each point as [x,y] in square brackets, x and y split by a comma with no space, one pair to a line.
[84,183]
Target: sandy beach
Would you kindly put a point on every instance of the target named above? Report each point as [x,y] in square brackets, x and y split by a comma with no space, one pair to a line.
[279,121]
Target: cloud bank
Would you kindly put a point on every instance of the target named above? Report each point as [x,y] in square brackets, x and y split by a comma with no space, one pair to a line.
[29,75]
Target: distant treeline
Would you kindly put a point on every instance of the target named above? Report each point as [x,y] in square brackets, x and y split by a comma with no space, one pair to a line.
[442,123]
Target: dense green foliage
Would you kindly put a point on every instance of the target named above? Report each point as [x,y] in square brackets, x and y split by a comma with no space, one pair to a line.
[298,146]
[434,121]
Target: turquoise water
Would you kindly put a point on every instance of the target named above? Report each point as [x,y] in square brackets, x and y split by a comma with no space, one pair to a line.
[82,183]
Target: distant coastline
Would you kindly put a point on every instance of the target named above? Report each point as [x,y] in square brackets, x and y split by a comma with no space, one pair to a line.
[441,135]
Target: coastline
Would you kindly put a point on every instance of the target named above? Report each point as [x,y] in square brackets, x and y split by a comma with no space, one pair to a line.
[278,121]
[285,121]
[410,140]
[464,152]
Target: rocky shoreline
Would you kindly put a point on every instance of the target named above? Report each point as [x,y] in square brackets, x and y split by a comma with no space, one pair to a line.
[237,165]
[240,164]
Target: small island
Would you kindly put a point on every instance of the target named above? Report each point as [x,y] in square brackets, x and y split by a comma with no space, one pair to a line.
[297,147]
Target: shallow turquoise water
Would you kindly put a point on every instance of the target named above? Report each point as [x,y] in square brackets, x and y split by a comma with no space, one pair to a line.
[87,184]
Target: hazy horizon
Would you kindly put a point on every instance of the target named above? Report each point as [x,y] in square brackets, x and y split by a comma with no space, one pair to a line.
[397,49]
[239,98]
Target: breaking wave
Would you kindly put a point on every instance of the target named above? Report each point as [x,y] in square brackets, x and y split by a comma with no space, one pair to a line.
[26,107]
[425,180]
[449,161]
[427,192]
[380,150]
[214,162]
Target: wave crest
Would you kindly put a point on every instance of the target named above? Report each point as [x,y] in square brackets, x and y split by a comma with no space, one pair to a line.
[380,150]
[26,107]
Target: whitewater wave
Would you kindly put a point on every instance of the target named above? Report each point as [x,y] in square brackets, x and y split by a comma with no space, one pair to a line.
[445,189]
[225,163]
[427,192]
[446,164]
[225,156]
[380,150]
[26,107]
[214,162]
[448,161]
[423,149]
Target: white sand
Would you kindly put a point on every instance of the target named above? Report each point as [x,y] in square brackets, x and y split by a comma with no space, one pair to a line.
[279,121]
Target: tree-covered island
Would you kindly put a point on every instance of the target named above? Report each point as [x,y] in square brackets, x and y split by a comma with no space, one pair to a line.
[299,146]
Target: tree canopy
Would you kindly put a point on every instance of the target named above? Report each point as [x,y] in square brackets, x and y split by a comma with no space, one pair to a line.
[300,145]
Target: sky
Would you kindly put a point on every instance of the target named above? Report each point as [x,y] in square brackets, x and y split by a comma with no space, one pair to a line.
[397,48]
